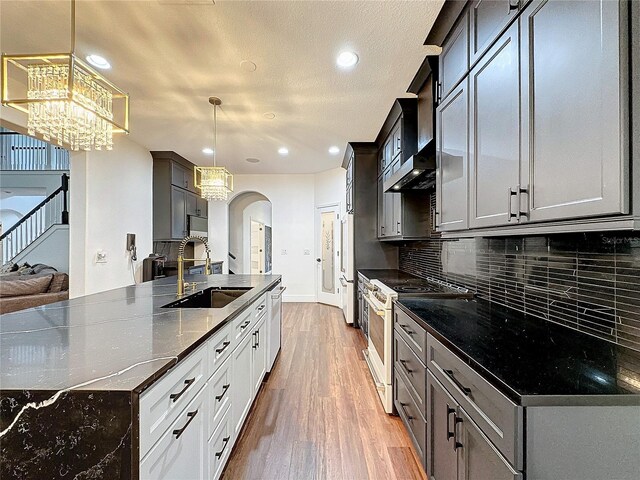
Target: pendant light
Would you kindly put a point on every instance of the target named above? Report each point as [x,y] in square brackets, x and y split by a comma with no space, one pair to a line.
[215,183]
[65,100]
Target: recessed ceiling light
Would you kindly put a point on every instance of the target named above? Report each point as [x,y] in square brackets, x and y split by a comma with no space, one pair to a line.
[283,151]
[347,59]
[248,66]
[207,151]
[334,150]
[253,160]
[269,115]
[98,61]
[396,187]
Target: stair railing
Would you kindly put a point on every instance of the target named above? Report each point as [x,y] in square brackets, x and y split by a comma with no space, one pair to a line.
[53,210]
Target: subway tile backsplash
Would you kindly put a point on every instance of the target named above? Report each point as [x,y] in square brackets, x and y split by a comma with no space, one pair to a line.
[589,281]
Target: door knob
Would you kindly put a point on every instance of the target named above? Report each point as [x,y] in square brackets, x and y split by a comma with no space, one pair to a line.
[318,260]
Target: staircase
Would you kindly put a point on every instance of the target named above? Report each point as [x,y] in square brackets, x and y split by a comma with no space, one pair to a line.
[44,217]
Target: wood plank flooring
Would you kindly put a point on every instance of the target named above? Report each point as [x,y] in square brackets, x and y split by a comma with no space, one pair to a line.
[318,416]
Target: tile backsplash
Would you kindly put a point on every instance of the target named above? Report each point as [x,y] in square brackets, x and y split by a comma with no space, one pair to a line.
[588,281]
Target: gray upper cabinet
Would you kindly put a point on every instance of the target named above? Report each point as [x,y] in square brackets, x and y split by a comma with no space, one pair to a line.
[192,204]
[173,197]
[478,459]
[575,122]
[454,59]
[452,160]
[182,177]
[494,134]
[487,20]
[202,207]
[178,209]
[381,209]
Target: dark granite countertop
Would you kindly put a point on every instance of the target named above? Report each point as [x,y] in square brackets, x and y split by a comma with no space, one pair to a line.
[119,340]
[532,361]
[389,276]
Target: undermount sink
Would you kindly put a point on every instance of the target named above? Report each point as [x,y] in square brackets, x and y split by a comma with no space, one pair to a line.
[213,297]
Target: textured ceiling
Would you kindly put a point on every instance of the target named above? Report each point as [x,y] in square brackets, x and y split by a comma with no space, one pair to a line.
[171,55]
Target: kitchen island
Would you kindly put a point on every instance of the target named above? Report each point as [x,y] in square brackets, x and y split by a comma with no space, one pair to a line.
[74,375]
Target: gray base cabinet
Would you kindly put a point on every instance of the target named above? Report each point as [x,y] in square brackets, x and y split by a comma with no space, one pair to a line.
[474,432]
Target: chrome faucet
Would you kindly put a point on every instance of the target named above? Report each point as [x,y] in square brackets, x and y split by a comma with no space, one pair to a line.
[181,260]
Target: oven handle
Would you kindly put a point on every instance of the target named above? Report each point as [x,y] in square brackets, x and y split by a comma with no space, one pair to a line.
[380,313]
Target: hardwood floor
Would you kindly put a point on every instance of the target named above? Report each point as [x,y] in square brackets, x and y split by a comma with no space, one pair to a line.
[318,416]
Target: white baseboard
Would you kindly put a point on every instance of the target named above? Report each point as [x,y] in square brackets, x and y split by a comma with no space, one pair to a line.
[298,298]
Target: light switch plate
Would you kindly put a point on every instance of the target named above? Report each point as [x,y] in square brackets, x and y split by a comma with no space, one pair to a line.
[307,251]
[283,252]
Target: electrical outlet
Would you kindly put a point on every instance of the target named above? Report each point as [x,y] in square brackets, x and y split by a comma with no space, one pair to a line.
[283,252]
[101,256]
[307,251]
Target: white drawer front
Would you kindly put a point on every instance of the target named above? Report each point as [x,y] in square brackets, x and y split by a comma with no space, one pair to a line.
[219,392]
[242,324]
[161,404]
[220,347]
[260,307]
[220,445]
[180,452]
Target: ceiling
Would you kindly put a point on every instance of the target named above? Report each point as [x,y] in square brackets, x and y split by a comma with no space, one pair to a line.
[171,55]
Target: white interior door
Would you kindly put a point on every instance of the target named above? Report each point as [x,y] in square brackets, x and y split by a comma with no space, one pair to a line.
[327,254]
[257,247]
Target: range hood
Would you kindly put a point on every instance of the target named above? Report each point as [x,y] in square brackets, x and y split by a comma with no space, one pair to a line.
[418,172]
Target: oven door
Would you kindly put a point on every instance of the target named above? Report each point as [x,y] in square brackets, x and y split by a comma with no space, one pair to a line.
[378,342]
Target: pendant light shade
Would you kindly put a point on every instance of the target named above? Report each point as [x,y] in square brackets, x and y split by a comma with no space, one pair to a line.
[66,100]
[215,183]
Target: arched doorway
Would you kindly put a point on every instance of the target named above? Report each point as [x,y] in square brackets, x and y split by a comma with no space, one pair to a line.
[250,223]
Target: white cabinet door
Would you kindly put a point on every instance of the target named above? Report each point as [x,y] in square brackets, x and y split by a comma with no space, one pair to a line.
[180,453]
[259,360]
[574,105]
[242,391]
[275,325]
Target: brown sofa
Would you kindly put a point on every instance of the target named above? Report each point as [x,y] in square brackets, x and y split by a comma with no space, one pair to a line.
[18,292]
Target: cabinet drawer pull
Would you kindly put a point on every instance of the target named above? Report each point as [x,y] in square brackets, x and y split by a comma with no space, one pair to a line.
[450,410]
[404,365]
[404,410]
[245,325]
[224,347]
[406,329]
[224,391]
[465,390]
[456,443]
[225,441]
[191,416]
[187,384]
[513,5]
[261,307]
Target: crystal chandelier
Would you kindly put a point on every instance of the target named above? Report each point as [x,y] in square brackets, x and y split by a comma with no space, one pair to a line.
[215,183]
[65,100]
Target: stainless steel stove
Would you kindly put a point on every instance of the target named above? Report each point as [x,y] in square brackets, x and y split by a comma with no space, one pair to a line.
[380,297]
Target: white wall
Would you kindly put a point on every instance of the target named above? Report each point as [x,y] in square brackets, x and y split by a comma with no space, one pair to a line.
[52,248]
[111,195]
[293,203]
